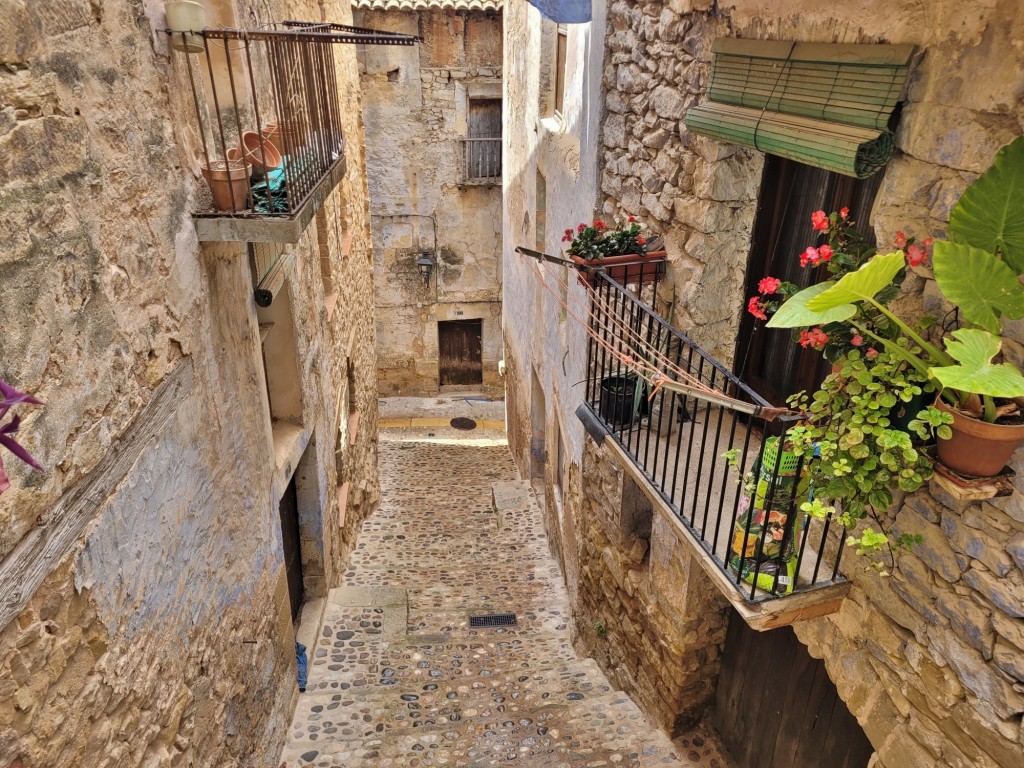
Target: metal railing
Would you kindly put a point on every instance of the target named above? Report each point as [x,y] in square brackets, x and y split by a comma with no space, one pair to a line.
[713,460]
[269,118]
[482,158]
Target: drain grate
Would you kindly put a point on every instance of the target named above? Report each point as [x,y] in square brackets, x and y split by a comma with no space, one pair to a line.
[461,422]
[493,620]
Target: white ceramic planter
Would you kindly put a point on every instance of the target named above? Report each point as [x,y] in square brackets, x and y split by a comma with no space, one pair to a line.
[186,16]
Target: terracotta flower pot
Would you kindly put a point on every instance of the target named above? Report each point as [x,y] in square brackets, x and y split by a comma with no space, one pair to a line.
[628,268]
[288,135]
[978,448]
[229,184]
[260,153]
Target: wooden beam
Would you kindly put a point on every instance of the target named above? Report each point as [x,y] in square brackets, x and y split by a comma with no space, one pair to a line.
[47,545]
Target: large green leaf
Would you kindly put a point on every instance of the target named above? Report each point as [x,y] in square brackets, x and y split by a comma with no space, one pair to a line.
[863,284]
[981,285]
[974,350]
[795,314]
[990,212]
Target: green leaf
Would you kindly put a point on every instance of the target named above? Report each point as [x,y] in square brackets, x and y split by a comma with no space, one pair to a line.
[974,350]
[989,214]
[795,314]
[861,285]
[981,285]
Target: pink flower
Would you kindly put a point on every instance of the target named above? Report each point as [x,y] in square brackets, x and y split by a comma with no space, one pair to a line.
[915,255]
[844,213]
[809,256]
[756,307]
[631,219]
[927,242]
[871,354]
[599,224]
[901,240]
[819,221]
[768,285]
[857,340]
[641,241]
[581,227]
[825,252]
[814,338]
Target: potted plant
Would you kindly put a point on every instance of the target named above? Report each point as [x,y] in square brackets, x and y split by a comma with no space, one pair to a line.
[619,396]
[977,270]
[624,250]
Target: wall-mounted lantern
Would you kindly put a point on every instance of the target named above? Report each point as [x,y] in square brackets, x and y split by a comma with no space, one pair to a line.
[426,264]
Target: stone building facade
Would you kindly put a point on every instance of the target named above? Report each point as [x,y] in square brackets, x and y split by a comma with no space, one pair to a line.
[146,617]
[434,193]
[929,661]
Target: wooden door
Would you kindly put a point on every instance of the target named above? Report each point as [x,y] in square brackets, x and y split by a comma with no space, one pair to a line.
[483,158]
[768,359]
[776,707]
[289,511]
[460,352]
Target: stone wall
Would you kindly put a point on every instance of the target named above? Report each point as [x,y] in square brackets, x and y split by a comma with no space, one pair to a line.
[155,629]
[416,102]
[646,610]
[929,660]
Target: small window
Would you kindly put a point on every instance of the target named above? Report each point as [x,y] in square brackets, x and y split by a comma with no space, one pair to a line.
[561,468]
[560,63]
[483,145]
[540,214]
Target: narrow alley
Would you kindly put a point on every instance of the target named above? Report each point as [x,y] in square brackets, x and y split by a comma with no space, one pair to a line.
[397,676]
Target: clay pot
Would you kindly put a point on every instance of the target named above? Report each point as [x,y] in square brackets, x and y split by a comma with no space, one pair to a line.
[229,183]
[628,268]
[978,448]
[288,135]
[183,18]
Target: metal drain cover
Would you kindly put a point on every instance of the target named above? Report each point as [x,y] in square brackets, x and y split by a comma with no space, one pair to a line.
[493,620]
[461,422]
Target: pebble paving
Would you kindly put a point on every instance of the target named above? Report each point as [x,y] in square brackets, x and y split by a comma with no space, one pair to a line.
[397,677]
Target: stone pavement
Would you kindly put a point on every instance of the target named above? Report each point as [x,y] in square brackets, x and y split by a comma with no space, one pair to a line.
[397,676]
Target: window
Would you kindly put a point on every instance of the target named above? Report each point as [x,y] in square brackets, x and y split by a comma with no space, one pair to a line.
[540,213]
[561,47]
[483,145]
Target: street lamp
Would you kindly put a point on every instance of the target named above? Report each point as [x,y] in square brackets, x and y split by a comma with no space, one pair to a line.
[426,264]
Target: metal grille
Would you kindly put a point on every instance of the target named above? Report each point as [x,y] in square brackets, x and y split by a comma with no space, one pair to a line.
[493,620]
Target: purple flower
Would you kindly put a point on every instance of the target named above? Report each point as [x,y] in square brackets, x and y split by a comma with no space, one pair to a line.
[12,397]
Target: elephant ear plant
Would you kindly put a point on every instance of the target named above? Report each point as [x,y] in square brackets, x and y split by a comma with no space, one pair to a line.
[9,425]
[864,455]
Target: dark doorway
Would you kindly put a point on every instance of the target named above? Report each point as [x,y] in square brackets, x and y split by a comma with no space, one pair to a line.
[460,352]
[768,359]
[776,707]
[289,510]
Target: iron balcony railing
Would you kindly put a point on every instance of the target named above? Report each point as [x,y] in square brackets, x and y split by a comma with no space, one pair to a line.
[270,141]
[482,159]
[711,456]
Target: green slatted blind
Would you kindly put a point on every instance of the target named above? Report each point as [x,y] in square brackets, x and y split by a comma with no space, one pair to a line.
[823,105]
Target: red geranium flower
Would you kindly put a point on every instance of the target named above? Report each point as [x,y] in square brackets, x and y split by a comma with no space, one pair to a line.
[756,307]
[857,340]
[768,285]
[825,252]
[871,354]
[581,227]
[844,213]
[901,240]
[819,221]
[915,255]
[631,219]
[814,338]
[641,241]
[810,256]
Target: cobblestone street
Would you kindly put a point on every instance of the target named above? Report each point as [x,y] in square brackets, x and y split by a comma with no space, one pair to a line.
[397,676]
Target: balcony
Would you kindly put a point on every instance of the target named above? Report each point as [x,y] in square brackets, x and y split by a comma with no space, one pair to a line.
[704,449]
[268,131]
[481,161]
